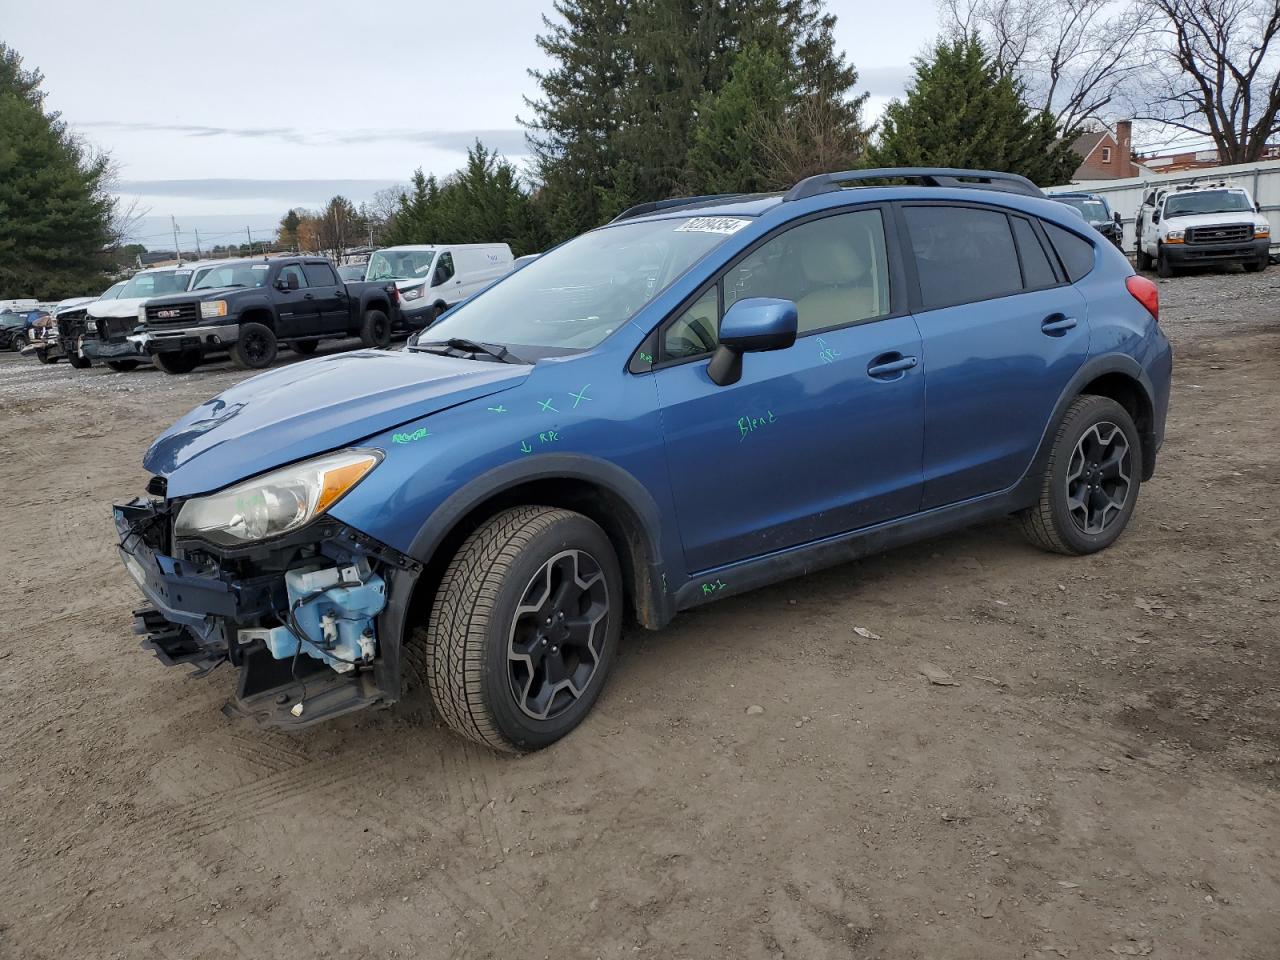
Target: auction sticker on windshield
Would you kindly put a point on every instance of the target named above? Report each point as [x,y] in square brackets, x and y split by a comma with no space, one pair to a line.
[725,225]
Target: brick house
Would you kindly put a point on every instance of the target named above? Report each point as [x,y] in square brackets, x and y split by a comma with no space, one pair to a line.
[1106,155]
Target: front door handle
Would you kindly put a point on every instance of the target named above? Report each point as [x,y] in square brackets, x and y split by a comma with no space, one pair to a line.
[890,366]
[306,296]
[1056,324]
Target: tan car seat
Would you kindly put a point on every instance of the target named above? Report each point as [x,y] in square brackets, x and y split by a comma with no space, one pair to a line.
[841,289]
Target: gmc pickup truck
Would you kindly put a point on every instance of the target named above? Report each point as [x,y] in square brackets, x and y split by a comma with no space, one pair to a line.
[246,307]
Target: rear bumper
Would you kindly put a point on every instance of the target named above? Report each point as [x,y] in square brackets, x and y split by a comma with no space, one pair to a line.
[164,340]
[1243,251]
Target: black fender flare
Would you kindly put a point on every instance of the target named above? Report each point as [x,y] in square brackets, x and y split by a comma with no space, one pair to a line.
[1092,369]
[602,473]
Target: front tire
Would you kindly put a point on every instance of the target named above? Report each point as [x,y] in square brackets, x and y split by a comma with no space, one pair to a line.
[375,332]
[79,362]
[523,630]
[1144,260]
[1090,484]
[18,343]
[122,366]
[256,347]
[1164,268]
[176,362]
[1257,266]
[43,357]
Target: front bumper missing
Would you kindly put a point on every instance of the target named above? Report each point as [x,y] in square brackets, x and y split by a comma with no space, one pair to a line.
[208,607]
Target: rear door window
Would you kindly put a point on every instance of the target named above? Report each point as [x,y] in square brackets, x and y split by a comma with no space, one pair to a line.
[1075,252]
[1037,269]
[320,275]
[962,254]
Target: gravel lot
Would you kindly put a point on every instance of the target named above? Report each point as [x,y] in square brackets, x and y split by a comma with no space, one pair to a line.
[1104,780]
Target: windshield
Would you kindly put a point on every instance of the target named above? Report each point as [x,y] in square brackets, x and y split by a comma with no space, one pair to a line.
[113,291]
[1093,210]
[573,297]
[400,264]
[1207,201]
[234,275]
[156,284]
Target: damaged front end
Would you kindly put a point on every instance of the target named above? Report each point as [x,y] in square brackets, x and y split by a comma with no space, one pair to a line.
[312,618]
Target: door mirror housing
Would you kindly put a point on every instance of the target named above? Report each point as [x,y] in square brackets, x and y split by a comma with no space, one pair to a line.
[751,326]
[1155,216]
[286,281]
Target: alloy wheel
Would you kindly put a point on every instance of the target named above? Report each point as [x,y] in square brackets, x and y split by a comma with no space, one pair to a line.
[1099,477]
[554,646]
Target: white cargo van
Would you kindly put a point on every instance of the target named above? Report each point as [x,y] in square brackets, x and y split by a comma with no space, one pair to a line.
[433,277]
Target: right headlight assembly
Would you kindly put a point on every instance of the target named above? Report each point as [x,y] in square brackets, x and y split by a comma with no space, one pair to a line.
[277,502]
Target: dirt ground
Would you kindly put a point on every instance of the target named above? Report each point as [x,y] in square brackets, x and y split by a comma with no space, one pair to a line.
[1104,780]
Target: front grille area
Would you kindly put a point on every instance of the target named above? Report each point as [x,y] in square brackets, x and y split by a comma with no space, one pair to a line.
[116,328]
[1221,233]
[173,313]
[71,324]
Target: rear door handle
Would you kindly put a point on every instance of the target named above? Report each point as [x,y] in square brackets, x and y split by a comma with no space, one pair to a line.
[890,366]
[1056,323]
[306,296]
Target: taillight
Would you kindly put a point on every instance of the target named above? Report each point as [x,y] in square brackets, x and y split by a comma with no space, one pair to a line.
[1146,293]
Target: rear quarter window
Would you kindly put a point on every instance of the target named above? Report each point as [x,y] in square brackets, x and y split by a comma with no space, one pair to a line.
[1037,269]
[1075,252]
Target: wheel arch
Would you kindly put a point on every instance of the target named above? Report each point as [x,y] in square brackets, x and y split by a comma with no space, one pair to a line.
[258,314]
[597,489]
[1122,379]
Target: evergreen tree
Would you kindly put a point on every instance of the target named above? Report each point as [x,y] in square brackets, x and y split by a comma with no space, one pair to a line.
[621,117]
[288,231]
[480,203]
[960,112]
[55,213]
[577,118]
[725,154]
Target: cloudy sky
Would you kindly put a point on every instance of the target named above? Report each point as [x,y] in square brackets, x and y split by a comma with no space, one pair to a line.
[225,115]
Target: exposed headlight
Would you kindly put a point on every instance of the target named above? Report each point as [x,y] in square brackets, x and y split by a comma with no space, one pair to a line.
[142,313]
[1261,231]
[412,293]
[1173,236]
[276,502]
[213,308]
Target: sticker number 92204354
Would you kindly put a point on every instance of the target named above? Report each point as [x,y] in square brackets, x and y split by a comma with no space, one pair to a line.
[725,225]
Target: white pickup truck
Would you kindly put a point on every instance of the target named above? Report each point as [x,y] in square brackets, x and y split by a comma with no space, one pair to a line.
[1201,223]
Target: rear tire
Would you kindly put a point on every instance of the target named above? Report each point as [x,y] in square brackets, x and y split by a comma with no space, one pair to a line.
[1091,482]
[523,629]
[122,366]
[256,347]
[375,332]
[176,362]
[304,348]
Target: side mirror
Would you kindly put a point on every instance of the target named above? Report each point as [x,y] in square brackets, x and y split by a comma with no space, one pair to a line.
[1117,218]
[286,281]
[750,326]
[1155,216]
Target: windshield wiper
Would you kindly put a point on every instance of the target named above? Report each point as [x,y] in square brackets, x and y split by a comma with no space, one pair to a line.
[495,350]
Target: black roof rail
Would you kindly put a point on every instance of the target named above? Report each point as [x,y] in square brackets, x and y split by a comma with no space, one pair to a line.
[929,176]
[653,206]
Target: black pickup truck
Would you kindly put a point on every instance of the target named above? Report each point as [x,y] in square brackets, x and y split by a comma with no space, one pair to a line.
[246,307]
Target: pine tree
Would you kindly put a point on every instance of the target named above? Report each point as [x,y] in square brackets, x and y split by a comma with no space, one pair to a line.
[725,155]
[622,115]
[960,112]
[577,117]
[55,213]
[288,231]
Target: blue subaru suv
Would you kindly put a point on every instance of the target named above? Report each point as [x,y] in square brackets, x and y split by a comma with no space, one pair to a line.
[702,397]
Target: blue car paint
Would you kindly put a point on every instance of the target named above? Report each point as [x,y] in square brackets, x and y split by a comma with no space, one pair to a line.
[827,449]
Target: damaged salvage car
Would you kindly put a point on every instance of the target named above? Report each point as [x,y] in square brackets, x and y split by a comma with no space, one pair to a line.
[700,398]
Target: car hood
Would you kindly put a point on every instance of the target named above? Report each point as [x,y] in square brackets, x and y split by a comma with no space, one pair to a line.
[103,309]
[311,407]
[1183,221]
